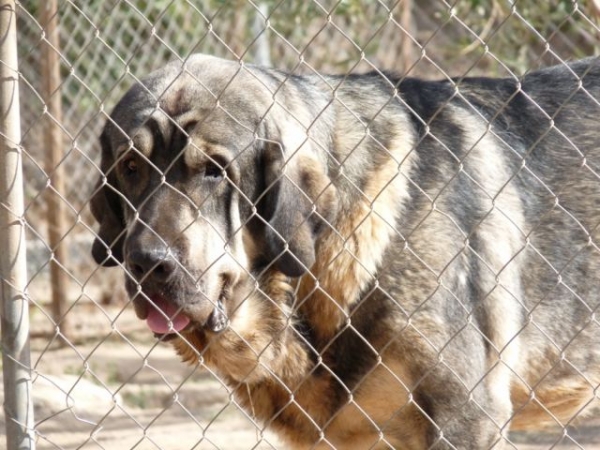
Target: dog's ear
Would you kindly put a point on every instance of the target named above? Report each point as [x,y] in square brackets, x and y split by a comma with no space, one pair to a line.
[107,210]
[299,200]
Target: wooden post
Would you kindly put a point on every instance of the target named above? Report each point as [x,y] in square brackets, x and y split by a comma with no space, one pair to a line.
[407,23]
[54,140]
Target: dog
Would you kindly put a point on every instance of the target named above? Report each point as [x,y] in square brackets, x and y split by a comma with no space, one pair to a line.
[366,260]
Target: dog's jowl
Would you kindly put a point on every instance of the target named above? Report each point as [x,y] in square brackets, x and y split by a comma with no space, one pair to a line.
[368,261]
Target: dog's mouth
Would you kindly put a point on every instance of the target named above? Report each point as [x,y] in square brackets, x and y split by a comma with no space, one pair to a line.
[167,321]
[165,318]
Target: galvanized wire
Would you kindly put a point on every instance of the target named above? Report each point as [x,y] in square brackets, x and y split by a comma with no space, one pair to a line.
[113,385]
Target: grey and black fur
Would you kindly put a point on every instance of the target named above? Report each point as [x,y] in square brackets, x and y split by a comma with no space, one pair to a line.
[368,261]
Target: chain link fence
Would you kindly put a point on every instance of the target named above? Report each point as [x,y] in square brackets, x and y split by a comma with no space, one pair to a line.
[99,379]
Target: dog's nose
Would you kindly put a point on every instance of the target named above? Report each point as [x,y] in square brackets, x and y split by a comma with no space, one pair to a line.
[155,264]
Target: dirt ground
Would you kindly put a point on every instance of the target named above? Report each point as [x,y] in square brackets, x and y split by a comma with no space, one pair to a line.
[118,389]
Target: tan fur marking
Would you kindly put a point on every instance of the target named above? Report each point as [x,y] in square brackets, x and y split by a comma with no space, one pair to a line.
[348,258]
[381,399]
[195,153]
[546,406]
[378,402]
[258,342]
[317,186]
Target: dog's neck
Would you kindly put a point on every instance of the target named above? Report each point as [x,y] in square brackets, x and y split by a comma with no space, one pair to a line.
[350,250]
[247,353]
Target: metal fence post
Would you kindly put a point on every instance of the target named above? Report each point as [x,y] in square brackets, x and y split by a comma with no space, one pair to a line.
[18,406]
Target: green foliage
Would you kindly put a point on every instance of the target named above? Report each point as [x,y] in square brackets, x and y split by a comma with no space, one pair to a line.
[524,32]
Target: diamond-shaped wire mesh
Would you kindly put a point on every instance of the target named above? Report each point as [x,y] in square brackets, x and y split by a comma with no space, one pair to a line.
[106,383]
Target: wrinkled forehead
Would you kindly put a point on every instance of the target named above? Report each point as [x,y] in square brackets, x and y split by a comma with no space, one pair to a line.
[220,100]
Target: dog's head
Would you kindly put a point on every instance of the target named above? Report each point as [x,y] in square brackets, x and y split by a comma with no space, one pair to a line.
[213,171]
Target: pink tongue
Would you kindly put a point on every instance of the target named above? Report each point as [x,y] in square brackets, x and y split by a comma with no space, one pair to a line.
[157,321]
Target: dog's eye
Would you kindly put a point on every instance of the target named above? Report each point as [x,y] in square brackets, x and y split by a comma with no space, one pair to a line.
[213,171]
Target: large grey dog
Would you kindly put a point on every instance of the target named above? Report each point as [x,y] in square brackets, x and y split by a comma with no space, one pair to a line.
[368,261]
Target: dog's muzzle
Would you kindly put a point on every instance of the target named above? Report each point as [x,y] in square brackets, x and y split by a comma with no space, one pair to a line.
[165,305]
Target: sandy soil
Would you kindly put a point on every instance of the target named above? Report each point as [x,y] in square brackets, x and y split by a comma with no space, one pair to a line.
[118,389]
